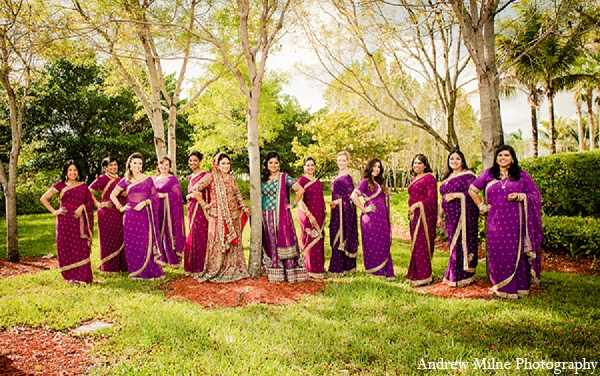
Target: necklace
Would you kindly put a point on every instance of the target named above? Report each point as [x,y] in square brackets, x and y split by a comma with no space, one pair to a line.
[504,180]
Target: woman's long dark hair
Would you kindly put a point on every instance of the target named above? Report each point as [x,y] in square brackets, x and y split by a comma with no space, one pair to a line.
[379,179]
[70,163]
[514,170]
[265,173]
[423,160]
[448,169]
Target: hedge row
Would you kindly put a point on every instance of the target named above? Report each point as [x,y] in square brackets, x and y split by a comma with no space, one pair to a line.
[573,235]
[569,183]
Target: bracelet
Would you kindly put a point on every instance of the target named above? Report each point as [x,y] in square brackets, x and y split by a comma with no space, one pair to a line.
[293,204]
[481,206]
[309,215]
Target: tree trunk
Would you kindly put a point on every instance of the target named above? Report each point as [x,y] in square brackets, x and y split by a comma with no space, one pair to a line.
[171,137]
[580,132]
[479,39]
[589,102]
[534,131]
[550,96]
[254,267]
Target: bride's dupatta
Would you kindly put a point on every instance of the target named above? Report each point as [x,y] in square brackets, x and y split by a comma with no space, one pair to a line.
[286,245]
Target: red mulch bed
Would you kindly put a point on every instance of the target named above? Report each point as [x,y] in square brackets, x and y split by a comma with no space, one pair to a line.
[25,351]
[27,265]
[241,293]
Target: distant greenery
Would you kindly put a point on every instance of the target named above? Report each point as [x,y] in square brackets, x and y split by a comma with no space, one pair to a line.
[572,235]
[358,325]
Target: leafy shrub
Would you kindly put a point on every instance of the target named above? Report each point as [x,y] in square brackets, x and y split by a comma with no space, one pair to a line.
[568,183]
[28,200]
[244,186]
[573,235]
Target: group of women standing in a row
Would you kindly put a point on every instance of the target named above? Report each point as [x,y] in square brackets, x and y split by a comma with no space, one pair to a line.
[513,225]
[141,222]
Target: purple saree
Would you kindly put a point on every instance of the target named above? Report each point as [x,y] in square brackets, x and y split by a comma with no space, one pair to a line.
[343,228]
[110,227]
[171,220]
[514,233]
[461,225]
[313,241]
[194,254]
[282,259]
[422,198]
[376,232]
[74,235]
[140,230]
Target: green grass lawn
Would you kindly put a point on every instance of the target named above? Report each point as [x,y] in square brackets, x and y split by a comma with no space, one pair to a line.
[359,325]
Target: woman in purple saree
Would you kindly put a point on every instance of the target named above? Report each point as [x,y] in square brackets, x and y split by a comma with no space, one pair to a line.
[110,219]
[281,255]
[311,215]
[140,221]
[171,222]
[225,261]
[74,224]
[422,213]
[194,254]
[343,228]
[514,224]
[375,220]
[461,221]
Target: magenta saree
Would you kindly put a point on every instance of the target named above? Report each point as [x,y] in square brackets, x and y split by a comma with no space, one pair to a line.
[514,233]
[376,231]
[74,235]
[140,230]
[282,259]
[422,198]
[461,226]
[343,227]
[312,237]
[194,254]
[110,227]
[171,222]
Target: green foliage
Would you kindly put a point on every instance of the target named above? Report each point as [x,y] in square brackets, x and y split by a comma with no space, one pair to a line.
[219,119]
[28,200]
[362,137]
[244,187]
[72,117]
[568,183]
[573,235]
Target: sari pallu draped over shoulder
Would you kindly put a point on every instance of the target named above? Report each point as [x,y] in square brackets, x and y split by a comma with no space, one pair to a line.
[312,237]
[110,226]
[74,235]
[171,219]
[422,199]
[462,228]
[141,236]
[343,227]
[196,242]
[376,231]
[225,260]
[514,233]
[287,247]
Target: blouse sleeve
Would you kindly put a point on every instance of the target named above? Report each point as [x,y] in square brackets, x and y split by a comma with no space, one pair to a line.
[122,184]
[481,182]
[98,184]
[203,183]
[362,187]
[289,181]
[58,186]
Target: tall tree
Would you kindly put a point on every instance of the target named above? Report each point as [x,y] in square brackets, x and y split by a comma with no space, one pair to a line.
[22,42]
[71,109]
[243,33]
[131,32]
[389,54]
